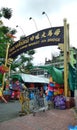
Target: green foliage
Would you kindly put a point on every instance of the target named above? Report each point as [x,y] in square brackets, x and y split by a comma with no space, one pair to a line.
[4,38]
[22,37]
[4,30]
[31,52]
[6,12]
[2,50]
[13,31]
[24,63]
[15,65]
[0,15]
[28,67]
[1,76]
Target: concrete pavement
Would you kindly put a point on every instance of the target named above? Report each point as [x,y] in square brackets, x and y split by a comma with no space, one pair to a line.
[9,111]
[49,120]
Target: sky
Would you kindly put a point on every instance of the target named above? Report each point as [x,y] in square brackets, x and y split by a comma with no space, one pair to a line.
[56,10]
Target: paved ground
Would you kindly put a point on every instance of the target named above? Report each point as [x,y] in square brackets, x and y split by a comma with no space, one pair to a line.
[9,110]
[49,120]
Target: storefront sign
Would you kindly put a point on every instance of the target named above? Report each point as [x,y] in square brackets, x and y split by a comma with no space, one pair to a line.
[47,37]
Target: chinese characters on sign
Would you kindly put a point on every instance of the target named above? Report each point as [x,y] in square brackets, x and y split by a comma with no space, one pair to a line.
[46,37]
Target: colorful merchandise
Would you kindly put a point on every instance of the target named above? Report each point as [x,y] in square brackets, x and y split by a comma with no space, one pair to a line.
[60,102]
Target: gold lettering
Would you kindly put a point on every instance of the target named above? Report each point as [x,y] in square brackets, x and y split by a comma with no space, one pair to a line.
[19,44]
[32,38]
[23,47]
[53,40]
[57,32]
[43,35]
[34,43]
[11,49]
[13,52]
[43,41]
[50,33]
[37,36]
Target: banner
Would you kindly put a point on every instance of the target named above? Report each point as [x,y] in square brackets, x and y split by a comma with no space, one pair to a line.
[47,37]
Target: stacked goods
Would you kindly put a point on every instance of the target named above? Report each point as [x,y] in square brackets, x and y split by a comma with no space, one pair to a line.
[50,91]
[60,102]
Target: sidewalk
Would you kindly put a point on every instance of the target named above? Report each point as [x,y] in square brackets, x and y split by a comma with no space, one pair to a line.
[49,120]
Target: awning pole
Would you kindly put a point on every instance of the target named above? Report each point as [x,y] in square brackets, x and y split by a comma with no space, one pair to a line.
[65,59]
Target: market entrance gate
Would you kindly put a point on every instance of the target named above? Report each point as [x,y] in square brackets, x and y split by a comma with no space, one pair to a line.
[47,37]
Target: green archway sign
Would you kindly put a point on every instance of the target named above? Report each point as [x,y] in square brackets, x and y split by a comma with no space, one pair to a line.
[47,37]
